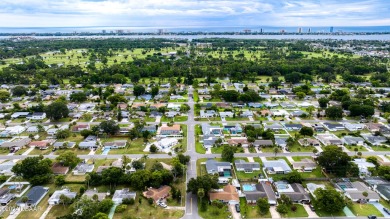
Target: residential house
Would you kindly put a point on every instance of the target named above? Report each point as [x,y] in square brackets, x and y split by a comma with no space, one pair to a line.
[246,114]
[226,114]
[305,165]
[59,169]
[169,131]
[6,196]
[83,168]
[80,127]
[354,127]
[263,143]
[235,141]
[292,126]
[119,195]
[233,129]
[66,144]
[276,166]
[208,114]
[207,129]
[363,166]
[19,143]
[247,167]
[374,140]
[373,127]
[281,141]
[223,169]
[261,190]
[42,145]
[295,191]
[273,126]
[157,194]
[355,190]
[334,126]
[255,105]
[91,193]
[228,194]
[309,142]
[150,128]
[297,113]
[329,139]
[55,199]
[18,115]
[6,168]
[352,140]
[38,116]
[35,196]
[318,128]
[173,106]
[171,114]
[115,144]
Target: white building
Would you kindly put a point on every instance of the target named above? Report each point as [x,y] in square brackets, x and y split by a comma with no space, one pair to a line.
[55,198]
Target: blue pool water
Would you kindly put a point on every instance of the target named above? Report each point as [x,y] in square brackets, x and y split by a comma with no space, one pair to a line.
[1,141]
[248,188]
[11,187]
[105,151]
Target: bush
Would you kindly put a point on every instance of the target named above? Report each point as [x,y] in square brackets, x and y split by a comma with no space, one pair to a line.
[82,190]
[128,201]
[294,208]
[150,201]
[120,208]
[282,209]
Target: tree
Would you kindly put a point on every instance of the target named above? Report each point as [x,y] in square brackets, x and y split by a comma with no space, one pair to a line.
[334,112]
[334,160]
[59,180]
[365,194]
[62,134]
[206,182]
[109,127]
[228,153]
[282,208]
[105,205]
[361,110]
[68,158]
[19,91]
[4,95]
[294,177]
[116,98]
[57,110]
[153,148]
[263,206]
[112,175]
[306,131]
[100,215]
[138,90]
[310,110]
[154,91]
[200,194]
[184,108]
[276,150]
[323,102]
[36,170]
[300,95]
[78,97]
[329,200]
[137,164]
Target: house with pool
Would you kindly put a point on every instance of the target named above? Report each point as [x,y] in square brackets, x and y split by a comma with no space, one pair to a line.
[254,192]
[223,169]
[295,191]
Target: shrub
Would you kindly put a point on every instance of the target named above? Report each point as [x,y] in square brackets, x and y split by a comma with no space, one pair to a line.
[120,208]
[150,201]
[293,208]
[128,201]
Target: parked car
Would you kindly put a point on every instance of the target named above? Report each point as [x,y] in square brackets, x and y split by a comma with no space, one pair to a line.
[386,210]
[237,208]
[371,217]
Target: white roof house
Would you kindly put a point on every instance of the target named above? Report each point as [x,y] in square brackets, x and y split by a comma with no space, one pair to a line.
[363,166]
[55,198]
[119,195]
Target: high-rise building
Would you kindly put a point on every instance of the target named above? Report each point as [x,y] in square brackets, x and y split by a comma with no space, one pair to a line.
[261,30]
[104,31]
[331,29]
[300,30]
[160,31]
[309,30]
[247,31]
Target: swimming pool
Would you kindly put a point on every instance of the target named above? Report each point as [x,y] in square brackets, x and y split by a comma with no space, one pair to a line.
[1,141]
[248,188]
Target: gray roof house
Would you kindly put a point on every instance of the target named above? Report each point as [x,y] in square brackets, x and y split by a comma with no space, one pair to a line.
[83,168]
[334,126]
[266,143]
[247,167]
[374,140]
[68,144]
[295,191]
[276,166]
[351,140]
[292,126]
[273,126]
[6,168]
[35,195]
[261,190]
[119,195]
[355,193]
[223,169]
[5,196]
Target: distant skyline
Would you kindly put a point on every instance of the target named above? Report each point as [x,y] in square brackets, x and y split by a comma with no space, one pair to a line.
[207,13]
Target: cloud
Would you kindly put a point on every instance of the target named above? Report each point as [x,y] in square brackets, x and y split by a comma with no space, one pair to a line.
[58,13]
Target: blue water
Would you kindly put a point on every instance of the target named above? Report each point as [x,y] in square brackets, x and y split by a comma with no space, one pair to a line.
[105,151]
[247,188]
[265,29]
[1,141]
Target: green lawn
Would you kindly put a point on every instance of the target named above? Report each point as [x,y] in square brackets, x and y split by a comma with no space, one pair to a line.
[195,96]
[250,210]
[199,148]
[38,151]
[214,212]
[300,212]
[201,169]
[296,147]
[301,158]
[365,210]
[237,119]
[380,148]
[135,147]
[316,173]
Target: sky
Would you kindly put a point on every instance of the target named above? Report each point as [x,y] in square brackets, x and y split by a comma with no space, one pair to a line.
[186,13]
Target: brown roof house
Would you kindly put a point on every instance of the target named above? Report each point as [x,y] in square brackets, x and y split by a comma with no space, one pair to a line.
[227,195]
[236,141]
[59,169]
[157,194]
[42,145]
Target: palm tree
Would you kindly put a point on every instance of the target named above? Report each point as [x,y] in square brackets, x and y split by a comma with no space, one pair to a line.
[87,178]
[201,194]
[276,150]
[310,110]
[145,157]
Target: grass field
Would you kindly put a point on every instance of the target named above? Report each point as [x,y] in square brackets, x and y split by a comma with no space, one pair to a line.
[300,212]
[365,210]
[251,210]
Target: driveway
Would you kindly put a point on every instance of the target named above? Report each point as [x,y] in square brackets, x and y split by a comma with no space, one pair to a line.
[274,213]
[380,207]
[309,211]
[235,215]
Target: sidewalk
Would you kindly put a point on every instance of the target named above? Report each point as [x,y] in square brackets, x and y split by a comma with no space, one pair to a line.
[43,216]
[274,213]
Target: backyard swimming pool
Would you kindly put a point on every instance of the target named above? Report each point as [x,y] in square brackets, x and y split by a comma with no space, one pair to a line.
[248,187]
